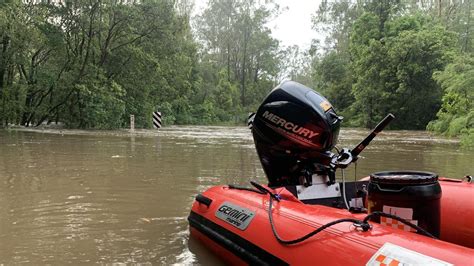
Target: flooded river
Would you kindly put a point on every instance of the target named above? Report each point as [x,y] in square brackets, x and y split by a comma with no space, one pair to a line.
[113,197]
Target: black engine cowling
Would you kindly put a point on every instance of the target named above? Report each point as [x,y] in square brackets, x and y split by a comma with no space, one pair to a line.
[294,130]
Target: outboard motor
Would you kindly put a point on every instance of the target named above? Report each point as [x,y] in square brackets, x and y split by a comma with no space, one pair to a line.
[294,130]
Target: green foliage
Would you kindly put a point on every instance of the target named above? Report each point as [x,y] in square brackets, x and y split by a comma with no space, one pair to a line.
[333,79]
[167,113]
[393,69]
[411,58]
[13,98]
[91,64]
[239,60]
[99,106]
[335,19]
[467,139]
[456,115]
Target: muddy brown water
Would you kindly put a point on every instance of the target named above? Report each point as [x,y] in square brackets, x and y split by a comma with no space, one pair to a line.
[81,197]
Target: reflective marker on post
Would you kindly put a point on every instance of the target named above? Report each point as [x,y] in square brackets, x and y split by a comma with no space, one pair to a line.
[250,120]
[156,120]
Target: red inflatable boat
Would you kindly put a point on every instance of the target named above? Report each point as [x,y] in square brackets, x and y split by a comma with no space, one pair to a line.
[307,217]
[234,224]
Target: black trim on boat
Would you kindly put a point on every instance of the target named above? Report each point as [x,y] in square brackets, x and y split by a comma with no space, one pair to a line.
[241,247]
[204,200]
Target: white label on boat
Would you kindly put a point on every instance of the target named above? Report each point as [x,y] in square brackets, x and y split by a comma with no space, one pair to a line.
[390,254]
[356,202]
[318,191]
[405,213]
[235,215]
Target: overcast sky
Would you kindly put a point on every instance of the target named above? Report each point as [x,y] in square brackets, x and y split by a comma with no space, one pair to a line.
[293,25]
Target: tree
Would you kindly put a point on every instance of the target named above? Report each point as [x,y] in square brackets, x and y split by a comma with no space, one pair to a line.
[90,64]
[236,43]
[392,52]
[455,15]
[332,77]
[335,19]
[456,115]
[393,68]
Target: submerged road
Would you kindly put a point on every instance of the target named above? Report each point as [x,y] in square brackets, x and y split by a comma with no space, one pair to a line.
[85,197]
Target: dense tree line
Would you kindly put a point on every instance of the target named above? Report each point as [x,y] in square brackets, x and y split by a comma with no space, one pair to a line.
[239,60]
[92,63]
[411,58]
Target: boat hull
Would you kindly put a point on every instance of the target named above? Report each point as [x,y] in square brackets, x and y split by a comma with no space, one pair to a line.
[253,242]
[457,212]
